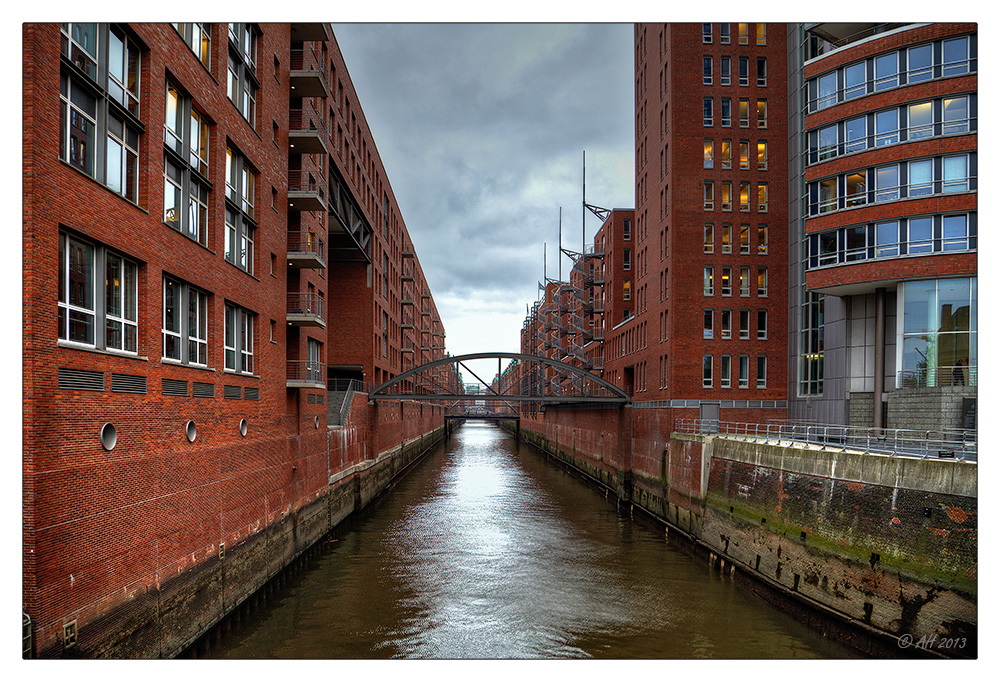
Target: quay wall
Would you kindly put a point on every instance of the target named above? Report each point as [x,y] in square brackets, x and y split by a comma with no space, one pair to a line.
[878,552]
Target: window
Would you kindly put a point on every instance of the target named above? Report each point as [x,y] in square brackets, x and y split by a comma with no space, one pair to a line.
[744,112]
[708,283]
[185,316]
[242,81]
[239,339]
[761,155]
[761,323]
[198,37]
[761,72]
[761,371]
[709,153]
[709,246]
[726,324]
[727,281]
[744,196]
[956,174]
[315,369]
[856,135]
[727,238]
[744,323]
[744,371]
[706,33]
[709,317]
[706,70]
[707,112]
[725,371]
[726,152]
[709,196]
[886,127]
[761,36]
[240,221]
[886,71]
[762,282]
[744,73]
[920,120]
[921,178]
[99,106]
[745,238]
[827,87]
[939,329]
[744,154]
[724,34]
[855,81]
[857,189]
[626,259]
[627,291]
[761,239]
[725,71]
[727,112]
[82,317]
[955,57]
[827,142]
[743,36]
[886,239]
[955,115]
[920,63]
[185,167]
[706,371]
[744,281]
[762,113]
[727,196]
[627,228]
[828,195]
[954,233]
[887,183]
[920,235]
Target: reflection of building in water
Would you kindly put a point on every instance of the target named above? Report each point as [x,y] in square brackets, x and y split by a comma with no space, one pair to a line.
[884,235]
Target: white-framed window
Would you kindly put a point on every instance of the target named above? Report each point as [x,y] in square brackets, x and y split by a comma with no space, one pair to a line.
[919,120]
[706,70]
[955,59]
[762,239]
[855,80]
[727,281]
[726,324]
[761,323]
[707,114]
[626,259]
[185,167]
[709,241]
[315,370]
[921,178]
[744,323]
[743,30]
[99,123]
[708,281]
[761,155]
[744,154]
[706,33]
[886,127]
[725,71]
[709,195]
[761,371]
[955,171]
[887,183]
[761,72]
[198,37]
[762,282]
[744,281]
[886,71]
[86,317]
[725,371]
[239,339]
[745,238]
[708,324]
[240,217]
[727,196]
[724,34]
[856,134]
[744,71]
[726,112]
[726,154]
[887,239]
[744,112]
[727,238]
[955,232]
[744,196]
[185,322]
[627,228]
[744,376]
[706,371]
[827,91]
[920,63]
[709,151]
[762,113]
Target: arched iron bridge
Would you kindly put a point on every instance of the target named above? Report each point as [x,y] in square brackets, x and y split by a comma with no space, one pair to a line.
[533,379]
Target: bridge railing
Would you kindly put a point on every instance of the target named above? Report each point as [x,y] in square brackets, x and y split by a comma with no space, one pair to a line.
[959,445]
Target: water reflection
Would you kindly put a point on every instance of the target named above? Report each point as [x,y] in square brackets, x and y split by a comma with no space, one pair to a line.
[488,551]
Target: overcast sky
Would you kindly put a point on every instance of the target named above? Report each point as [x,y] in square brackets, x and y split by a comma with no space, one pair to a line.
[482,130]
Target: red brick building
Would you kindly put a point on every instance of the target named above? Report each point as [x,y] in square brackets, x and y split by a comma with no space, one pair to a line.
[210,244]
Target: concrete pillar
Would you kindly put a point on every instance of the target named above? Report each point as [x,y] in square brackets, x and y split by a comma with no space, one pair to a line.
[879,356]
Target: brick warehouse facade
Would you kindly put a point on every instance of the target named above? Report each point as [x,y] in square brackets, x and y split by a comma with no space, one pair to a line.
[224,186]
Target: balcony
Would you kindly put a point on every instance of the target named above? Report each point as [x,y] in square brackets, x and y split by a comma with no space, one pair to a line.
[309,31]
[307,131]
[307,73]
[306,190]
[306,310]
[306,250]
[305,374]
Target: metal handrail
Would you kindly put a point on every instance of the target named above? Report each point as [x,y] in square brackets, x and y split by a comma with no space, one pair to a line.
[311,181]
[961,445]
[311,371]
[956,375]
[306,243]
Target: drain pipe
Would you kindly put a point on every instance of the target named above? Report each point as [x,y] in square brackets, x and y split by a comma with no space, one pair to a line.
[879,356]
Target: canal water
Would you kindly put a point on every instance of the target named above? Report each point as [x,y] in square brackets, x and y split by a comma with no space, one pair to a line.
[486,550]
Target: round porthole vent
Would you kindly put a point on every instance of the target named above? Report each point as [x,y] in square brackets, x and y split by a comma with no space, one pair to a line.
[243,427]
[109,436]
[316,421]
[191,431]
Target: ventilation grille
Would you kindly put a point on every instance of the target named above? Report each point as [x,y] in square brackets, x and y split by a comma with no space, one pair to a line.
[128,383]
[200,389]
[319,398]
[231,392]
[311,398]
[80,379]
[174,387]
[251,393]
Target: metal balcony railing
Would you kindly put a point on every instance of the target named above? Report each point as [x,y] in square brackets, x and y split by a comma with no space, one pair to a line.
[307,118]
[307,59]
[959,445]
[301,243]
[957,375]
[311,181]
[305,372]
[306,308]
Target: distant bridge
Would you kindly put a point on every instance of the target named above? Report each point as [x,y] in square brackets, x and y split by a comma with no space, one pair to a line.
[534,379]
